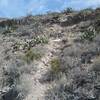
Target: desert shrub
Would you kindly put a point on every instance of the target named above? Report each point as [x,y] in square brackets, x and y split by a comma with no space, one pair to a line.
[12,80]
[31,55]
[6,31]
[16,46]
[55,65]
[57,93]
[65,89]
[68,10]
[96,66]
[86,58]
[86,11]
[12,74]
[97,9]
[9,30]
[85,14]
[88,35]
[97,24]
[13,28]
[35,41]
[12,94]
[37,27]
[54,73]
[40,39]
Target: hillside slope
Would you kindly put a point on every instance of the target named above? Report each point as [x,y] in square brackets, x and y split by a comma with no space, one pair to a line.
[55,56]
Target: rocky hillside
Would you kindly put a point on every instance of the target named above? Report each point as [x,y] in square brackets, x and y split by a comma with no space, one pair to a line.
[55,56]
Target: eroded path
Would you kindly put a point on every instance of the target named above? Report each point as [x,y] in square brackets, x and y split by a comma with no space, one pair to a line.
[38,89]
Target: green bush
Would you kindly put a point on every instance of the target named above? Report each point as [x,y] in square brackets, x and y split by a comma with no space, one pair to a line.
[31,55]
[55,65]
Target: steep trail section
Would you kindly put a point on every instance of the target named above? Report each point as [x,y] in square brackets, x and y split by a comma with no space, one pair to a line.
[38,89]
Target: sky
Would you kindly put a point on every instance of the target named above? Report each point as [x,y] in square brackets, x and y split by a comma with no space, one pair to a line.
[18,8]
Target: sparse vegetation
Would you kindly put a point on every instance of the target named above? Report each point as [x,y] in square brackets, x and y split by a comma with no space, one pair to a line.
[88,35]
[40,39]
[55,65]
[68,10]
[6,31]
[9,30]
[87,11]
[96,66]
[59,92]
[97,24]
[16,46]
[54,73]
[12,73]
[34,54]
[31,55]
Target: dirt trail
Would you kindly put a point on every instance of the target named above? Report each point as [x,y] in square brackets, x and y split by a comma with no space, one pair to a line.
[38,89]
[54,47]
